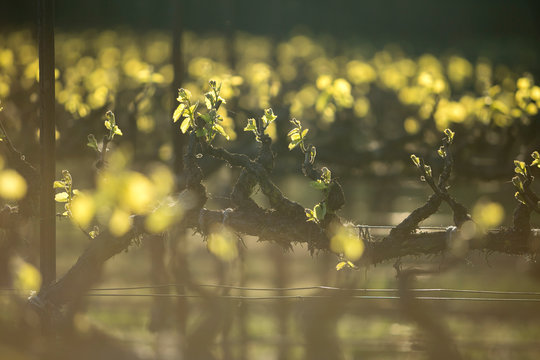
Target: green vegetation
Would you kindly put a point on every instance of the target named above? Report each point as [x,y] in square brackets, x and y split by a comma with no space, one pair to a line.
[382,97]
[378,107]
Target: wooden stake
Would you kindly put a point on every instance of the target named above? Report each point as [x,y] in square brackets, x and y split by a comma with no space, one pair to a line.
[179,140]
[47,141]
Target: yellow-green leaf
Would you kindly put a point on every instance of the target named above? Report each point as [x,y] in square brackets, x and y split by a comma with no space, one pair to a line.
[179,112]
[184,127]
[221,130]
[293,131]
[251,125]
[293,144]
[61,197]
[320,211]
[415,160]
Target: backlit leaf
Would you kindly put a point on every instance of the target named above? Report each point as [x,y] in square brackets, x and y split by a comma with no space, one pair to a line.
[92,142]
[415,160]
[184,127]
[293,131]
[320,211]
[221,130]
[61,197]
[294,144]
[179,112]
[319,185]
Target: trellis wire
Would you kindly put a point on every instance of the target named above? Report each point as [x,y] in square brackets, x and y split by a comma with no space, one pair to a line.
[323,287]
[329,288]
[310,297]
[97,293]
[364,229]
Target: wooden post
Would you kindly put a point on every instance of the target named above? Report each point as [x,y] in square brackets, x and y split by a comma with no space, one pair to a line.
[47,141]
[178,241]
[178,139]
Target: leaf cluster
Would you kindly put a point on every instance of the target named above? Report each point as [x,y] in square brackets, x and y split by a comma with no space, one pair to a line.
[523,180]
[259,126]
[67,192]
[206,125]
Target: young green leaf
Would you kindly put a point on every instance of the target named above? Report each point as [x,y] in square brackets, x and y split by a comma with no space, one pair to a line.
[92,142]
[179,112]
[326,176]
[221,130]
[427,170]
[59,184]
[536,156]
[345,264]
[520,167]
[183,95]
[61,197]
[251,125]
[207,118]
[110,116]
[320,211]
[94,233]
[311,216]
[184,127]
[296,136]
[268,117]
[209,100]
[319,185]
[292,132]
[192,109]
[442,152]
[201,132]
[117,130]
[67,177]
[294,144]
[517,183]
[312,154]
[416,160]
[449,135]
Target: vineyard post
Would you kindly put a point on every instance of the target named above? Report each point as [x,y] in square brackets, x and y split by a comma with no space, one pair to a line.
[47,141]
[178,139]
[178,243]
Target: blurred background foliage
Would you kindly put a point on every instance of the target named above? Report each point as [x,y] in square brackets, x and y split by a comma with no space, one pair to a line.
[378,73]
[364,101]
[373,81]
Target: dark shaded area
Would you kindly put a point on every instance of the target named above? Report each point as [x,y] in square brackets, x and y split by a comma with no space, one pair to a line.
[419,21]
[470,27]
